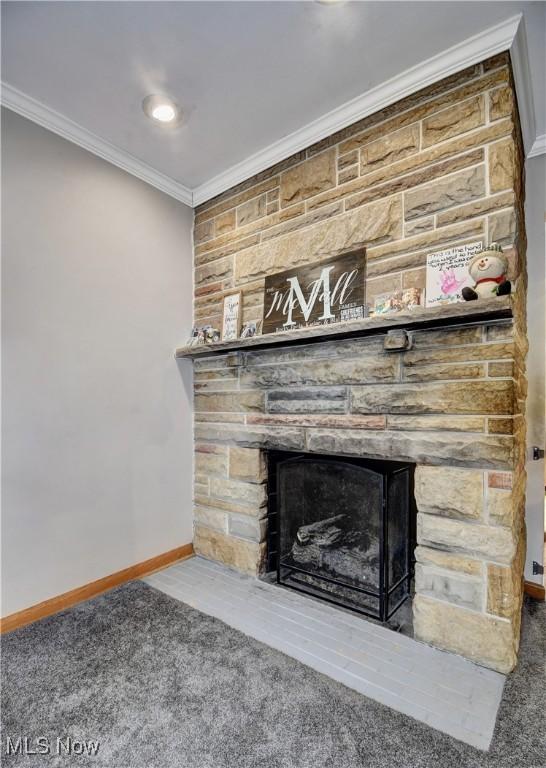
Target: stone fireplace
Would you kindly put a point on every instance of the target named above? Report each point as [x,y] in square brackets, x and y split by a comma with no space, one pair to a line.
[440,168]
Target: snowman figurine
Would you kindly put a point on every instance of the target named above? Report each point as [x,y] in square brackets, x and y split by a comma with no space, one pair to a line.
[488,270]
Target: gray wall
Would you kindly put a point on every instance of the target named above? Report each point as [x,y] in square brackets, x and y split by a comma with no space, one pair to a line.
[535,171]
[97,429]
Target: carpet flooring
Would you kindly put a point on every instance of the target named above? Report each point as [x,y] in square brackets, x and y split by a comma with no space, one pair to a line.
[161,685]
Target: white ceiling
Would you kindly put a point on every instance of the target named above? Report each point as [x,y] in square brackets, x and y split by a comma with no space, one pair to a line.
[247,74]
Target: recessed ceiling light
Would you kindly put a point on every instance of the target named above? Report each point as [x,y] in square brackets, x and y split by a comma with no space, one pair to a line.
[161,109]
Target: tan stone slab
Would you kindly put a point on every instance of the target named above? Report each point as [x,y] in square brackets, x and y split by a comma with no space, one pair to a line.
[230,506]
[222,268]
[211,463]
[450,492]
[501,592]
[427,157]
[501,103]
[458,588]
[475,397]
[324,372]
[422,160]
[349,158]
[211,518]
[272,207]
[505,368]
[475,208]
[231,418]
[229,401]
[444,371]
[347,174]
[454,120]
[486,541]
[502,227]
[503,426]
[274,438]
[233,200]
[308,178]
[238,492]
[500,506]
[205,255]
[247,464]
[404,183]
[344,421]
[246,556]
[251,210]
[454,354]
[502,165]
[209,251]
[391,147]
[456,233]
[449,561]
[302,221]
[378,221]
[444,193]
[451,337]
[203,232]
[438,448]
[422,111]
[484,639]
[224,223]
[503,330]
[431,423]
[424,224]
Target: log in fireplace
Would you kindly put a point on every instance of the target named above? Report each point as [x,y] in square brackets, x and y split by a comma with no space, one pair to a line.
[341,529]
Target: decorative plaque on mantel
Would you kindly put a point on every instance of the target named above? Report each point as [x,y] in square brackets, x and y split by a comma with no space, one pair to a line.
[316,294]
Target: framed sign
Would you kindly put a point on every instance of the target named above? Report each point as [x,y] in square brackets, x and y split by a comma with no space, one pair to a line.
[231,319]
[447,273]
[321,293]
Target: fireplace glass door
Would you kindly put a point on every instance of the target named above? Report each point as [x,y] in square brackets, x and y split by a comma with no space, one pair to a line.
[339,528]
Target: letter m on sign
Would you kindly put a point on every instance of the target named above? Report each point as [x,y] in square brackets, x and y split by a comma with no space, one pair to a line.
[296,295]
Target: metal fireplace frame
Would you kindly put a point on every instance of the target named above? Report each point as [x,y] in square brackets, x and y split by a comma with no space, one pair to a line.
[386,469]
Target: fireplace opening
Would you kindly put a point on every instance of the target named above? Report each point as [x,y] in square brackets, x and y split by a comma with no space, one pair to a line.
[342,529]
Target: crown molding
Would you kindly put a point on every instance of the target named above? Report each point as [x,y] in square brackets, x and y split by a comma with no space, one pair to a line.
[508,35]
[471,51]
[48,118]
[539,146]
[519,55]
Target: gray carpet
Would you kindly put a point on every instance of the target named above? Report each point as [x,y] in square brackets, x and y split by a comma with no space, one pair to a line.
[163,686]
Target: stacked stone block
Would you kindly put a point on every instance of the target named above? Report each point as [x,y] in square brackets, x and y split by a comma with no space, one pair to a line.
[440,168]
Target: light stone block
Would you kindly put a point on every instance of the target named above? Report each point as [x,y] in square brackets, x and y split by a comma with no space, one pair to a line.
[485,541]
[449,492]
[246,556]
[459,588]
[481,638]
[449,560]
[252,494]
[245,527]
[247,464]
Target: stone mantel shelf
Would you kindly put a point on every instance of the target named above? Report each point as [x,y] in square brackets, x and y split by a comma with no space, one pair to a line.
[446,315]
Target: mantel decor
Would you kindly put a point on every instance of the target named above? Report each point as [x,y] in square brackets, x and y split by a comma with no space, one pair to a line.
[321,293]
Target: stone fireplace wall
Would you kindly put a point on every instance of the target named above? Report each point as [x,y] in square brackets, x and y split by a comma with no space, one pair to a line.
[440,168]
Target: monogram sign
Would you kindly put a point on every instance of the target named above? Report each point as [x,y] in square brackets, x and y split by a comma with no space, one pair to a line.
[326,292]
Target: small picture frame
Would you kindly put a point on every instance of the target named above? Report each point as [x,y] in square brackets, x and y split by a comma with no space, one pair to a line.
[231,317]
[251,329]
